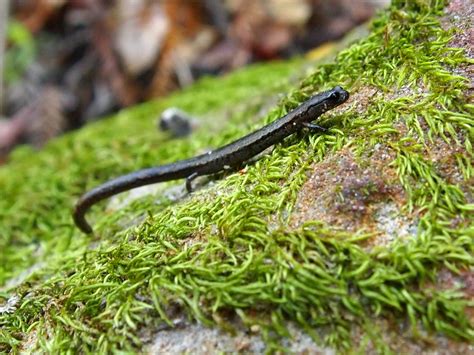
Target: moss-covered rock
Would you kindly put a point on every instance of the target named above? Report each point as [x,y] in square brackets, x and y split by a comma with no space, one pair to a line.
[354,236]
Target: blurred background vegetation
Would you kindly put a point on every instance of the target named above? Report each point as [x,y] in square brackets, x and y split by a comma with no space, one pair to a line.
[68,62]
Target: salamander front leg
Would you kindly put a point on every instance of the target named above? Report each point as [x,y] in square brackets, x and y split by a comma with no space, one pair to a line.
[314,127]
[189,180]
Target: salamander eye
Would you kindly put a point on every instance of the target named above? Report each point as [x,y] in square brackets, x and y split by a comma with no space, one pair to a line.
[334,95]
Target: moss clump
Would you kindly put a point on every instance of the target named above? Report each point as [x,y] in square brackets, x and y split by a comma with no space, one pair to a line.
[229,247]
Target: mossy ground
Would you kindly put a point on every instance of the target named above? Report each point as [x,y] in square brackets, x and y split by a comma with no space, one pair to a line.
[234,247]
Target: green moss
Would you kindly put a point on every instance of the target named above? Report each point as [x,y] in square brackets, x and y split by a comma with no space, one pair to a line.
[228,247]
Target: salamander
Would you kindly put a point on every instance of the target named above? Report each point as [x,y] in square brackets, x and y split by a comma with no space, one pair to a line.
[231,155]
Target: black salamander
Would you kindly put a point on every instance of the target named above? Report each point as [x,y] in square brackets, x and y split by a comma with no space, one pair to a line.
[231,155]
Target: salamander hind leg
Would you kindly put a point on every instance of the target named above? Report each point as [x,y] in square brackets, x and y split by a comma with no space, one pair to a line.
[189,180]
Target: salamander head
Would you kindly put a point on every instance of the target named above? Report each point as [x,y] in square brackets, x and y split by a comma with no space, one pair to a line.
[325,101]
[338,95]
[330,98]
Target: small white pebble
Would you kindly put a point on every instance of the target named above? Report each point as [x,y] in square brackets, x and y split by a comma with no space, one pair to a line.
[10,306]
